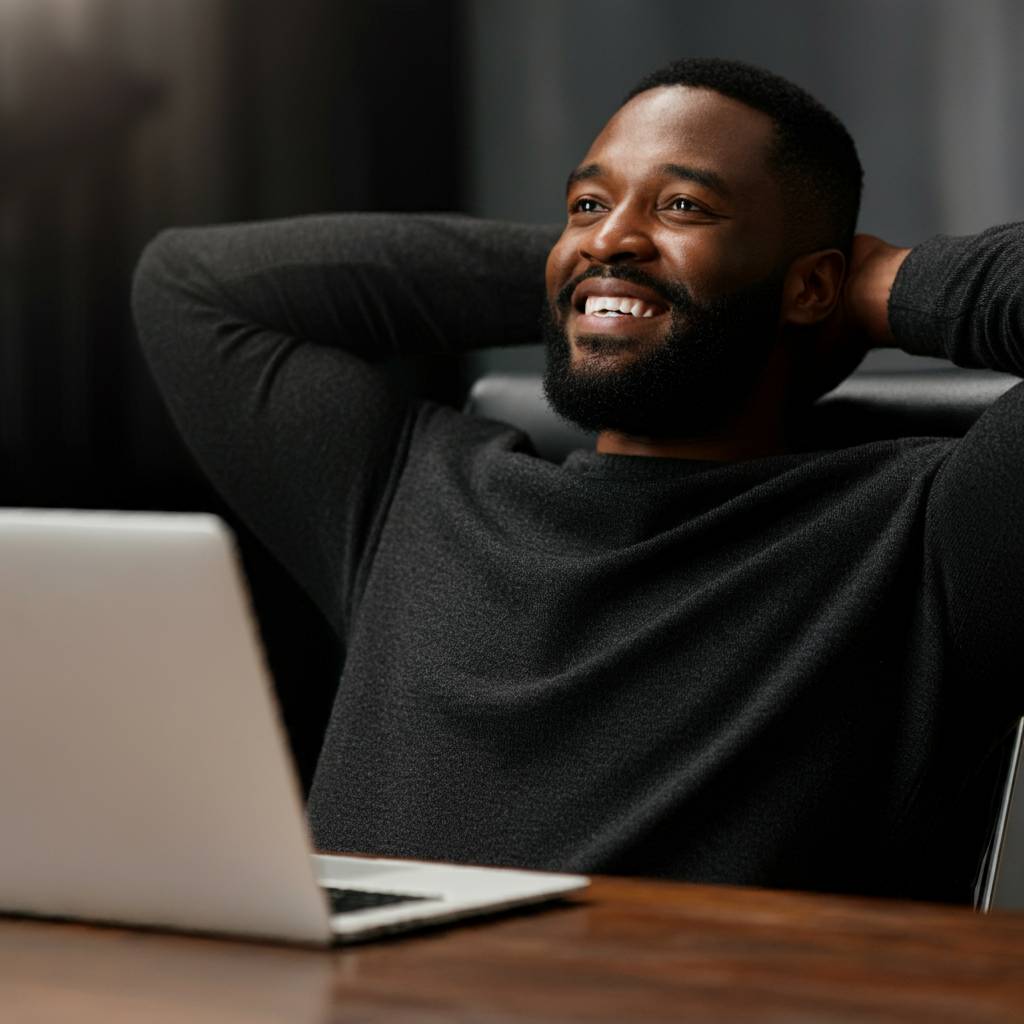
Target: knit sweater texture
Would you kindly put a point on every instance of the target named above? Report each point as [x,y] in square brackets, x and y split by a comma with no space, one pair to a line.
[777,672]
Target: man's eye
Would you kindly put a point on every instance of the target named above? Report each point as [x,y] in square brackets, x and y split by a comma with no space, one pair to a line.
[585,205]
[684,204]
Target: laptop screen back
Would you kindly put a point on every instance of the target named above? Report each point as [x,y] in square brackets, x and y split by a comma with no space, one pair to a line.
[144,773]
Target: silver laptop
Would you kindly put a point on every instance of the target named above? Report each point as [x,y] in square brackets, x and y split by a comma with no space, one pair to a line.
[145,777]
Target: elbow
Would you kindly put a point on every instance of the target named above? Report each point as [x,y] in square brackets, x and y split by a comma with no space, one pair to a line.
[159,264]
[163,286]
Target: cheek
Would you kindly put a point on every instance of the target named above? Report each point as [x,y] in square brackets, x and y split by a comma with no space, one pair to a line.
[716,261]
[695,260]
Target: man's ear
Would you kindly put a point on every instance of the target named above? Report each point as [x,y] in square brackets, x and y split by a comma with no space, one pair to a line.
[811,287]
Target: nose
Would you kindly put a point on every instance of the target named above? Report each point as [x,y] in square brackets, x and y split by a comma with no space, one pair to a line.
[619,237]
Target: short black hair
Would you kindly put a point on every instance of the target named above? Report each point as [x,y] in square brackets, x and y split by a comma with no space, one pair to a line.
[813,153]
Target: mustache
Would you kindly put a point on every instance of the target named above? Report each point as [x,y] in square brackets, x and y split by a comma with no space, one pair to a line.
[674,293]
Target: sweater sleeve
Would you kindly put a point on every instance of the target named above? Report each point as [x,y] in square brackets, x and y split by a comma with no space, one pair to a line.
[273,345]
[963,298]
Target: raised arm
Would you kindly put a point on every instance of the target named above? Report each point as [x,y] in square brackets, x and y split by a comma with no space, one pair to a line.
[270,344]
[963,298]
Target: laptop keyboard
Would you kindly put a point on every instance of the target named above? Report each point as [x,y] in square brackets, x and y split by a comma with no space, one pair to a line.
[344,901]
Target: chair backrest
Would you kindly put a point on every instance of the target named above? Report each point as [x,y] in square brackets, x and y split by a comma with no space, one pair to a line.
[865,407]
[1001,876]
[869,406]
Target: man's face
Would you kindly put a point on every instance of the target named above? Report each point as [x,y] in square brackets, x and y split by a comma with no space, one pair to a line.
[664,288]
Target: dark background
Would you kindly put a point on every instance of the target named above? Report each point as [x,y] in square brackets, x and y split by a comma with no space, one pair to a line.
[119,117]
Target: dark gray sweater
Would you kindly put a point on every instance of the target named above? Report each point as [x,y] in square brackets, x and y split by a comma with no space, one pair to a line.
[777,672]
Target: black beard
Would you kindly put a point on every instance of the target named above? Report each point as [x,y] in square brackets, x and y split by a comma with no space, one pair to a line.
[690,385]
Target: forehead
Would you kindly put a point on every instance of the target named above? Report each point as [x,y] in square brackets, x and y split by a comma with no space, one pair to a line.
[693,127]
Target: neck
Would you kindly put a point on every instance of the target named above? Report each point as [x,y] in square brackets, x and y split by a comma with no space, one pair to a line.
[731,446]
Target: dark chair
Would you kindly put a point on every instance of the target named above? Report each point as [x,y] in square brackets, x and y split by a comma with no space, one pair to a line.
[869,406]
[1000,884]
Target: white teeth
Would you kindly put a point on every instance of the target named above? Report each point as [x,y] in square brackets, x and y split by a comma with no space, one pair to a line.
[617,305]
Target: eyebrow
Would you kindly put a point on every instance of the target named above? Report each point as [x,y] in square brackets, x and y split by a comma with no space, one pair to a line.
[682,172]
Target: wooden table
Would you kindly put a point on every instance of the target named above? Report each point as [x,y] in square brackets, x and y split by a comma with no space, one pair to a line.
[624,951]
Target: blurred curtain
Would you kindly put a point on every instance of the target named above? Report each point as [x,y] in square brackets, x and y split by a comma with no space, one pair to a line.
[119,117]
[75,119]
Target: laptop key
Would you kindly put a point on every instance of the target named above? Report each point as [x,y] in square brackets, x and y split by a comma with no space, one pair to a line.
[344,901]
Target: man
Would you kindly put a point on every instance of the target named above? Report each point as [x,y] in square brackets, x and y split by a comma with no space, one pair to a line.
[693,652]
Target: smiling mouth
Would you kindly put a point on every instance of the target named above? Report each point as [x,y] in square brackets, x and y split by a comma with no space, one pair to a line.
[619,306]
[620,316]
[607,302]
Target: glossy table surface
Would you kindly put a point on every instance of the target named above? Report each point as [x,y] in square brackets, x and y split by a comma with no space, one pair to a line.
[622,951]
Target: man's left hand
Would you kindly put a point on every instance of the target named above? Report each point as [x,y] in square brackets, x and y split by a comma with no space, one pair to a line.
[860,319]
[864,305]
